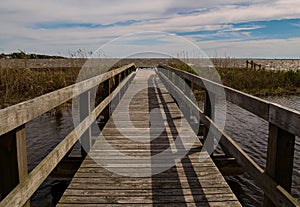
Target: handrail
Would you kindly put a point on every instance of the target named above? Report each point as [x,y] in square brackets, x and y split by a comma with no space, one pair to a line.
[276,114]
[30,183]
[19,114]
[275,187]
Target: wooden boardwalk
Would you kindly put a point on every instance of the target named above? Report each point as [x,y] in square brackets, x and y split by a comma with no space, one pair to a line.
[147,155]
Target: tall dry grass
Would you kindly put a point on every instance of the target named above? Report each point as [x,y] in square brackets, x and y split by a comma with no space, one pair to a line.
[20,84]
[258,82]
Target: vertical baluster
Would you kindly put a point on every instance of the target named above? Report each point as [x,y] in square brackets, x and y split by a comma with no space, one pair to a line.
[280,157]
[13,160]
[209,112]
[85,110]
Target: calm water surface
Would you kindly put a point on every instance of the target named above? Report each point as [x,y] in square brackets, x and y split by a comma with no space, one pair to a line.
[249,131]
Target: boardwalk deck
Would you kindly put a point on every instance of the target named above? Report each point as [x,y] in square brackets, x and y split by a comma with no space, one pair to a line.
[133,163]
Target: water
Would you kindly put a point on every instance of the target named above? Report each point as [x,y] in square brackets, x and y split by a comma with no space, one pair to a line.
[249,131]
[43,134]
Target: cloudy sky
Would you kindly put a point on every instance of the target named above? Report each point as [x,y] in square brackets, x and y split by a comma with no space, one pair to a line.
[257,28]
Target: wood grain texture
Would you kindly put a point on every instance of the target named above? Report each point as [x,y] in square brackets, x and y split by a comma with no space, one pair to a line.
[113,173]
[22,155]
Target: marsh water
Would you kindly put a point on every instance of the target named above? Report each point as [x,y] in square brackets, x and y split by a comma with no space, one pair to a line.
[249,131]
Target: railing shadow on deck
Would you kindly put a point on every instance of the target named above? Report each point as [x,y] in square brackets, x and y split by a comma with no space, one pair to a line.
[276,178]
[16,185]
[171,176]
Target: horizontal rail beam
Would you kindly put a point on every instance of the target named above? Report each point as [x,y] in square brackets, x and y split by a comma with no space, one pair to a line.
[19,114]
[25,189]
[276,114]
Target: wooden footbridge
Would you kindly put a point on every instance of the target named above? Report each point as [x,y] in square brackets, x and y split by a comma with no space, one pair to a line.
[149,152]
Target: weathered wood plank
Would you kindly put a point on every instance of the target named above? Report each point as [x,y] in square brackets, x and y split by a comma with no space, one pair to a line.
[142,192]
[148,199]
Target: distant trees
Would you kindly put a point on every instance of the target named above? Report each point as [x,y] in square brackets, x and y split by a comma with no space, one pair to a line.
[22,55]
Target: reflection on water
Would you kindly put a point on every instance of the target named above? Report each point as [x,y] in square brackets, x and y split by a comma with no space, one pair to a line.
[249,131]
[43,134]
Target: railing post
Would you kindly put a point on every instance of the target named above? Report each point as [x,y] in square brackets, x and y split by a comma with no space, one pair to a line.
[22,155]
[117,80]
[209,112]
[122,75]
[188,90]
[116,100]
[280,157]
[106,111]
[13,160]
[85,110]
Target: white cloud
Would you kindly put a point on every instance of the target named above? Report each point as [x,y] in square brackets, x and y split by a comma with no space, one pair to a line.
[19,18]
[279,48]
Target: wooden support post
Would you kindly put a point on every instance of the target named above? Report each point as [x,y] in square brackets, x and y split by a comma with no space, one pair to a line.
[13,160]
[208,107]
[122,75]
[280,157]
[187,90]
[119,94]
[134,69]
[85,110]
[209,112]
[22,155]
[106,91]
[116,100]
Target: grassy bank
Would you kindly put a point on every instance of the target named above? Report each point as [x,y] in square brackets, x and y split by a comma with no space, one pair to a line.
[20,84]
[257,82]
[261,82]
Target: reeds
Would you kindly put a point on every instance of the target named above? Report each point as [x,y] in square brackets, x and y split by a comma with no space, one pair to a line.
[20,84]
[262,82]
[258,82]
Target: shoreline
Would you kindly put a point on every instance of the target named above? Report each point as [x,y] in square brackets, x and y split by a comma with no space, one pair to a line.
[19,84]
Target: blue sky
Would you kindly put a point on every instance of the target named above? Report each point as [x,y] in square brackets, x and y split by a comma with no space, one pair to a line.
[252,30]
[258,28]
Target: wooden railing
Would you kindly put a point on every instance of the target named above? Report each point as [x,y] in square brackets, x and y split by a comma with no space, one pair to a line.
[16,185]
[276,178]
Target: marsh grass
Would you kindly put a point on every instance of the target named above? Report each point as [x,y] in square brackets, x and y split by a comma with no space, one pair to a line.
[20,84]
[262,82]
[258,82]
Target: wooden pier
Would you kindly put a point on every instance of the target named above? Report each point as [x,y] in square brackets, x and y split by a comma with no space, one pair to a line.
[148,153]
[109,178]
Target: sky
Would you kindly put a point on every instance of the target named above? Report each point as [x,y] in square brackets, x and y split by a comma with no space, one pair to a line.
[234,28]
